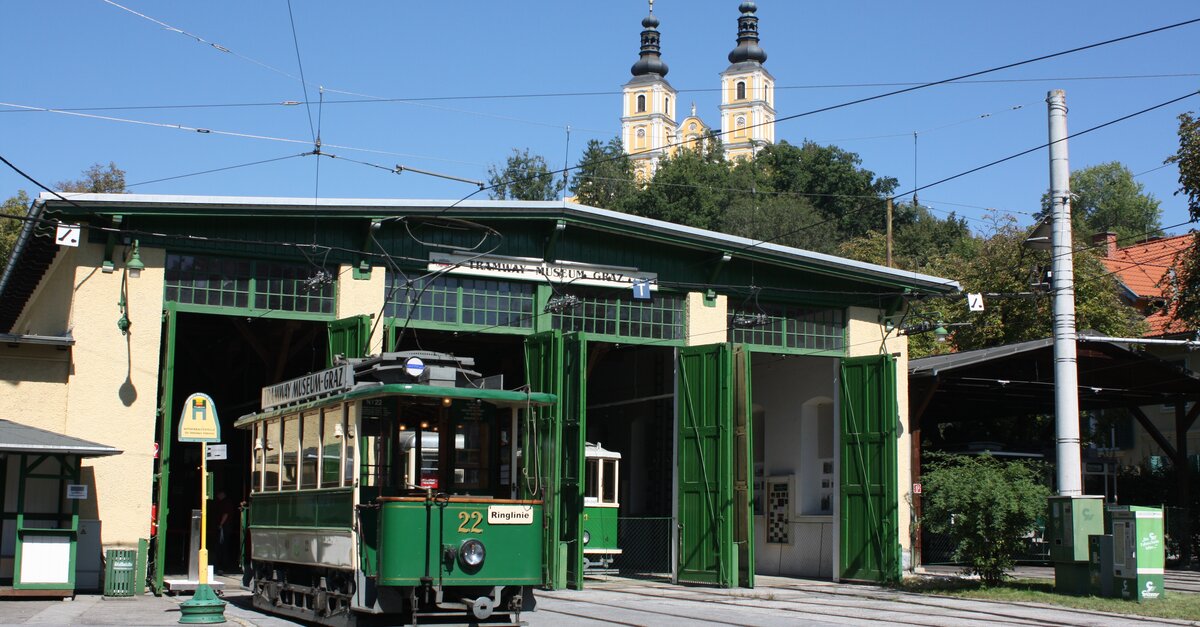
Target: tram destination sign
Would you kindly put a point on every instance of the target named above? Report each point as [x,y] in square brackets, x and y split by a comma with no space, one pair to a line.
[317,384]
[529,269]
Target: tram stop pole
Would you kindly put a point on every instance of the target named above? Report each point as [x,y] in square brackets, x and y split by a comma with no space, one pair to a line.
[199,423]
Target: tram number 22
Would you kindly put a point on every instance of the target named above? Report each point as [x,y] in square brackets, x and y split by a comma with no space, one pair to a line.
[469,522]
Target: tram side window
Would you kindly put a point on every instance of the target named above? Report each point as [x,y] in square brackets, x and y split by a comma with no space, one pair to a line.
[349,469]
[256,468]
[310,448]
[608,484]
[271,451]
[331,447]
[375,440]
[288,452]
[592,481]
[472,445]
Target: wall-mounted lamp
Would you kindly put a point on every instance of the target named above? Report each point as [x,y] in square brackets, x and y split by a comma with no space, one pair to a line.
[135,265]
[939,329]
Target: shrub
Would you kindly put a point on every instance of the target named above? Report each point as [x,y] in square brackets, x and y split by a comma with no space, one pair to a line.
[986,506]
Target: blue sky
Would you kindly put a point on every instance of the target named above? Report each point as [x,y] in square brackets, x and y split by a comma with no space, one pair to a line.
[467,60]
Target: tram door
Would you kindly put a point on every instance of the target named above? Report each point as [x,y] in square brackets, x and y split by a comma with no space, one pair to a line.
[713,510]
[554,363]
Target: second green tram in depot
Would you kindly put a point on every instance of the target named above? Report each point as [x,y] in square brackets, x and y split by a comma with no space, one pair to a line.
[600,509]
[400,488]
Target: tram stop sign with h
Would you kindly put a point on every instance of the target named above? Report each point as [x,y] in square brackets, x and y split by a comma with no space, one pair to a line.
[199,420]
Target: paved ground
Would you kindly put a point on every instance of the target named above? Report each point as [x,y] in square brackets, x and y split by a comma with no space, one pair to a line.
[776,601]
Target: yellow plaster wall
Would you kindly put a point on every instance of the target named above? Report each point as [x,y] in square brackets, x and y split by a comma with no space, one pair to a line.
[33,385]
[113,394]
[705,324]
[108,390]
[363,297]
[865,336]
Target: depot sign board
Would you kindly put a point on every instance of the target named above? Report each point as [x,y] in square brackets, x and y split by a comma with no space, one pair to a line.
[199,422]
[317,384]
[537,270]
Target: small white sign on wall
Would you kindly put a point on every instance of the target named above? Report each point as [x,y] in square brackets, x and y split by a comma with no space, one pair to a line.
[67,235]
[77,492]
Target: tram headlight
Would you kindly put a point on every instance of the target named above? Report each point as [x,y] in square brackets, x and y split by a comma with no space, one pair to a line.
[471,554]
[587,537]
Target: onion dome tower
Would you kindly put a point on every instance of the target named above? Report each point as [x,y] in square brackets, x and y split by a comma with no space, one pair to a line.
[648,103]
[747,92]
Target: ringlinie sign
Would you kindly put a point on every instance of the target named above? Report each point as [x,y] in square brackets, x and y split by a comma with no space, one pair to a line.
[199,421]
[331,381]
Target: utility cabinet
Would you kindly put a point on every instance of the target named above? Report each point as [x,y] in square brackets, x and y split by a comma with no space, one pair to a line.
[1139,553]
[1072,520]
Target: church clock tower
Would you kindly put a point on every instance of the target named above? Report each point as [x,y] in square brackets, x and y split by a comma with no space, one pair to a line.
[648,124]
[747,92]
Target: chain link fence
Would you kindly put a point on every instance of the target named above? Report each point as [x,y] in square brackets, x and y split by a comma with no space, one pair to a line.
[1175,528]
[645,549]
[938,549]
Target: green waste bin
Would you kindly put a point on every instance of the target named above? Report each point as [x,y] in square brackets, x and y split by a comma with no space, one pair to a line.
[119,572]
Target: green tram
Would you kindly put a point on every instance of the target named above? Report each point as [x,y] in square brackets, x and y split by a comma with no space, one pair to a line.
[362,510]
[600,508]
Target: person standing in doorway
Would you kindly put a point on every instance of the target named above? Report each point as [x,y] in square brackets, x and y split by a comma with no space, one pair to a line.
[225,513]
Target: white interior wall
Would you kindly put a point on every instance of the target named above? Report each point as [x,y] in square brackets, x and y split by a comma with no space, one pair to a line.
[794,410]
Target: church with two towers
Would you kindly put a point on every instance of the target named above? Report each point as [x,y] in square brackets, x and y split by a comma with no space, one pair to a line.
[650,129]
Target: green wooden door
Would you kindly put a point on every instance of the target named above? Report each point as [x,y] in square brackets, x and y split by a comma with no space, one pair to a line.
[715,525]
[555,363]
[348,337]
[870,547]
[166,415]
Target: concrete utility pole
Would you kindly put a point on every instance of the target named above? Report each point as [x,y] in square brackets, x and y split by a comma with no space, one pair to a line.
[1066,372]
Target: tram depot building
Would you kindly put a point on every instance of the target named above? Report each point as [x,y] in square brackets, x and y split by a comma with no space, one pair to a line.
[756,393]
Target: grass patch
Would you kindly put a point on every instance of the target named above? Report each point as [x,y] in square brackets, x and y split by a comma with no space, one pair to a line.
[1181,605]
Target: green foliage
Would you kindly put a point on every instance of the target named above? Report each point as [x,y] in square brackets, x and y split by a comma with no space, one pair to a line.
[97,179]
[604,177]
[10,227]
[809,196]
[690,187]
[1188,160]
[986,507]
[1002,264]
[1106,198]
[525,176]
[834,181]
[1184,291]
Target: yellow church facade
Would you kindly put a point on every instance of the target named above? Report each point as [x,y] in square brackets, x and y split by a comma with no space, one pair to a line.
[649,130]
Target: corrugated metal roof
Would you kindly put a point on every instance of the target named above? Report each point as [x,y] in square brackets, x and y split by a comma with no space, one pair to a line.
[19,438]
[730,243]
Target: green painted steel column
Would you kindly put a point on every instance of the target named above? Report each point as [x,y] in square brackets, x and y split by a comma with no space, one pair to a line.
[166,422]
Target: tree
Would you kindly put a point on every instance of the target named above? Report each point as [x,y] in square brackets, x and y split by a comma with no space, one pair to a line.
[525,176]
[1188,160]
[986,506]
[10,224]
[1106,198]
[690,187]
[1184,289]
[604,176]
[1004,265]
[834,181]
[97,179]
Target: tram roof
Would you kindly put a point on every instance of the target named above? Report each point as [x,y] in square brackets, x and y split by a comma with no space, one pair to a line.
[499,398]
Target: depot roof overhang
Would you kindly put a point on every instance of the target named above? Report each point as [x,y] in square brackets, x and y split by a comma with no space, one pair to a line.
[1018,379]
[105,206]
